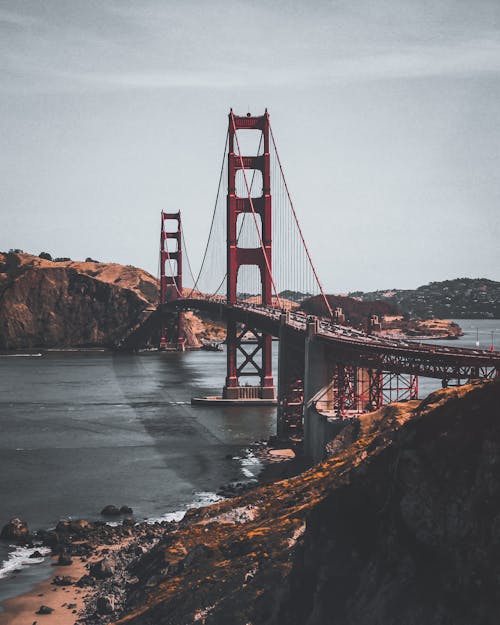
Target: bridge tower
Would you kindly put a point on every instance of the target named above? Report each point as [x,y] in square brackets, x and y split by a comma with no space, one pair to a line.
[254,358]
[171,276]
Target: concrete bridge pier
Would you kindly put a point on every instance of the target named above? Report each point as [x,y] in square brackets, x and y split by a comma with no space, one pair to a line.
[318,387]
[290,384]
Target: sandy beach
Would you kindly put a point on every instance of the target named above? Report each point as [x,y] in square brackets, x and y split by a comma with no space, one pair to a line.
[66,601]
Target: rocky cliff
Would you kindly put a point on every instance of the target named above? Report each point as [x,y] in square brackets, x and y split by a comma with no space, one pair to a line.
[62,304]
[412,535]
[50,304]
[400,525]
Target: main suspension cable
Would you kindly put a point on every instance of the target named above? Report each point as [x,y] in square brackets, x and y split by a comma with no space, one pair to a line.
[213,215]
[325,299]
[241,225]
[185,251]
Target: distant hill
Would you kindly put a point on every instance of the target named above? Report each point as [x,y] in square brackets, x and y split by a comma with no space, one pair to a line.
[356,312]
[462,298]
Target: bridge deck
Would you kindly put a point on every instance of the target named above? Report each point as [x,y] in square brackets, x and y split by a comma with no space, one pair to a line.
[352,346]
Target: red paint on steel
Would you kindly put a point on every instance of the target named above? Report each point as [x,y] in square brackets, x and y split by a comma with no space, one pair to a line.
[260,257]
[171,281]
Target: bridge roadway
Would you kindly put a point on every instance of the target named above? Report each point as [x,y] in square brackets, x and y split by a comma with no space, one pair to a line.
[353,347]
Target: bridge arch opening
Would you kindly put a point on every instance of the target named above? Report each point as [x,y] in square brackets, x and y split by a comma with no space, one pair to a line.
[254,181]
[250,141]
[170,225]
[249,285]
[171,246]
[171,267]
[249,230]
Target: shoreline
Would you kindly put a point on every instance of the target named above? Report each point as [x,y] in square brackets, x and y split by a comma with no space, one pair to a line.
[38,351]
[245,559]
[66,601]
[277,464]
[86,544]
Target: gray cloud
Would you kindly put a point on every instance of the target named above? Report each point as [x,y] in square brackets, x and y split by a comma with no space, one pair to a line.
[387,113]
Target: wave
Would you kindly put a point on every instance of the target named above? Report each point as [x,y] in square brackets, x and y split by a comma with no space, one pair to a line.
[201,500]
[251,465]
[20,355]
[20,557]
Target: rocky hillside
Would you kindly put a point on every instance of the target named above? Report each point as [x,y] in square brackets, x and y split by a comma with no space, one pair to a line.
[60,304]
[463,298]
[399,525]
[392,322]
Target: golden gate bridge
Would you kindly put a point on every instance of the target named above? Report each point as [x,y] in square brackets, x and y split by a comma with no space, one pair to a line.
[255,256]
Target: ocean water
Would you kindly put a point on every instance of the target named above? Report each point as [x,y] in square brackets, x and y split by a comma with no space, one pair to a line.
[486,331]
[80,430]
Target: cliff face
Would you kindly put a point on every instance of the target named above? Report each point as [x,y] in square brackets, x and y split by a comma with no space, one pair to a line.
[414,536]
[49,304]
[401,525]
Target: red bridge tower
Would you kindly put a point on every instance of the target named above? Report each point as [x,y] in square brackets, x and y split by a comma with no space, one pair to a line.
[171,276]
[248,358]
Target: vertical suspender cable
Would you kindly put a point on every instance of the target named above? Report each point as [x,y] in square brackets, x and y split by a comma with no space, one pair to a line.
[325,299]
[213,216]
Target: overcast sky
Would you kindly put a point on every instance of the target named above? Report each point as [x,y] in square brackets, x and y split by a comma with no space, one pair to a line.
[387,115]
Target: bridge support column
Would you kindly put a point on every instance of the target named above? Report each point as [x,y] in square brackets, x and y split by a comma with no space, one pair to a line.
[290,386]
[248,350]
[171,278]
[318,386]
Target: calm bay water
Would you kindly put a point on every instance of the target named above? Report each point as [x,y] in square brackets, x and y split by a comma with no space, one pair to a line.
[486,330]
[79,430]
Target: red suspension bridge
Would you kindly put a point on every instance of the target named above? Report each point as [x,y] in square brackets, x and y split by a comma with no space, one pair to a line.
[255,267]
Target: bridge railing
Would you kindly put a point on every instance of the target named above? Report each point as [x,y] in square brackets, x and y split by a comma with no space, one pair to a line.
[353,338]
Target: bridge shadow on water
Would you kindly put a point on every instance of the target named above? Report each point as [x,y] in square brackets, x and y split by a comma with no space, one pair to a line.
[193,445]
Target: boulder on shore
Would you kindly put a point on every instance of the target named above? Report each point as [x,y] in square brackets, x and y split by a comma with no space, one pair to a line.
[105,605]
[103,568]
[79,526]
[15,529]
[110,510]
[44,609]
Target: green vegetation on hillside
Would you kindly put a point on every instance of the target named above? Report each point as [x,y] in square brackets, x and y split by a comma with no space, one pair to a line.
[462,298]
